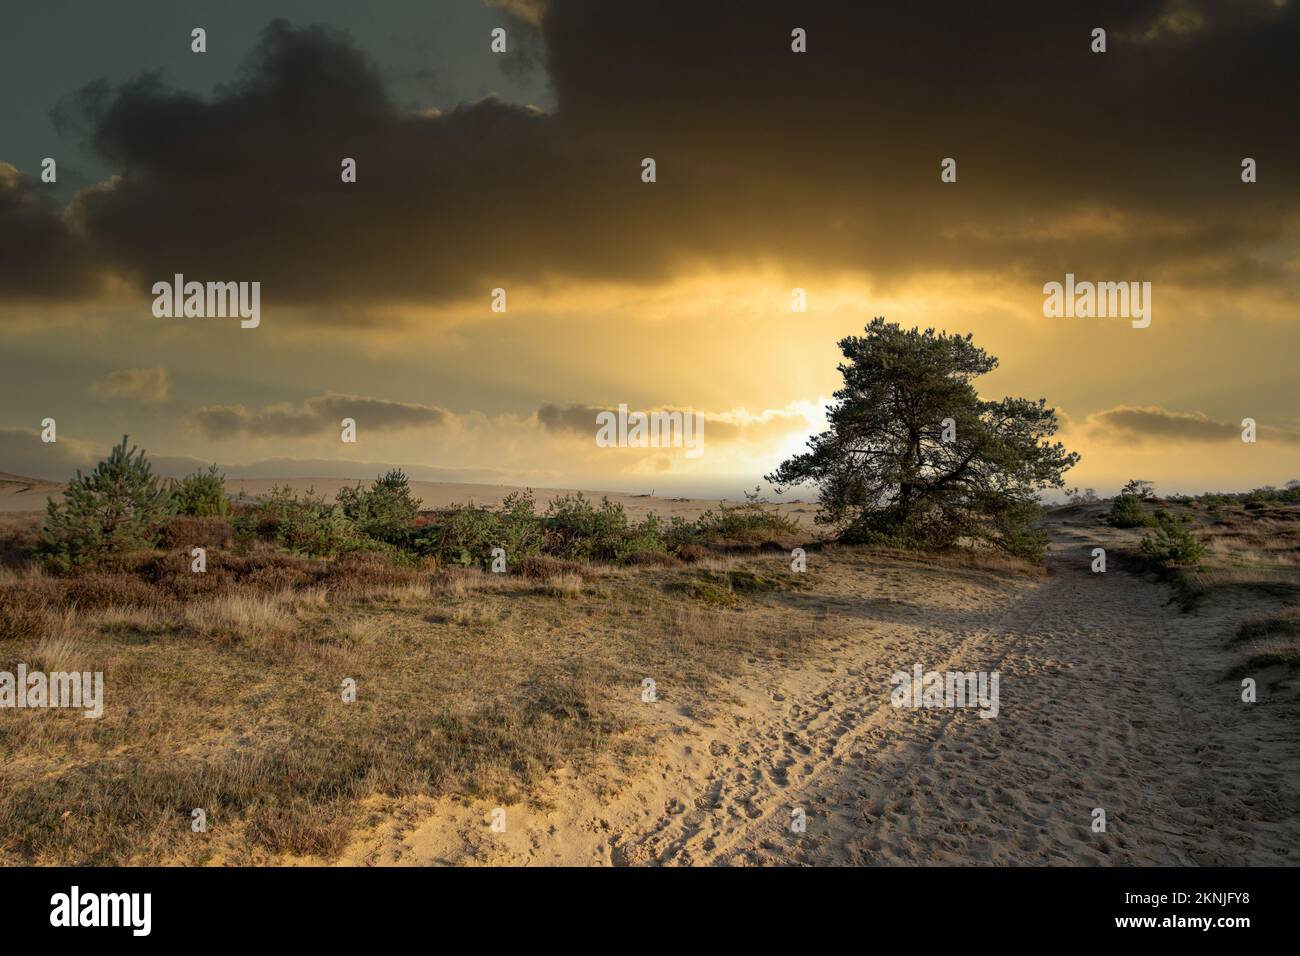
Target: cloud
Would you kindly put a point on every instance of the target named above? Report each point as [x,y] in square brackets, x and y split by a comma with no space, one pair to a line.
[580,419]
[763,428]
[317,415]
[1137,425]
[149,386]
[42,258]
[724,427]
[763,155]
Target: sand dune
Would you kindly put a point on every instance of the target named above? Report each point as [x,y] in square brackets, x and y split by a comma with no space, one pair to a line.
[1110,698]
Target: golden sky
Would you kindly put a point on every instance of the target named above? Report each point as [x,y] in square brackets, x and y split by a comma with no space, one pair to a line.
[774,170]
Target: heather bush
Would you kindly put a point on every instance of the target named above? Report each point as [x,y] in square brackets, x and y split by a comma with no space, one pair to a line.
[20,617]
[183,531]
[100,589]
[691,552]
[540,567]
[658,559]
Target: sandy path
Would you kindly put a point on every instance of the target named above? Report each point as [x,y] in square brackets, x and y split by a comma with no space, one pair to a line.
[1109,697]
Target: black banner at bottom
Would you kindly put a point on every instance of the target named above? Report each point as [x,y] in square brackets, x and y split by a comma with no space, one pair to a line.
[218,906]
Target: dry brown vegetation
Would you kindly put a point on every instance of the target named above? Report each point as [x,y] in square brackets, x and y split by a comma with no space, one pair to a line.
[224,689]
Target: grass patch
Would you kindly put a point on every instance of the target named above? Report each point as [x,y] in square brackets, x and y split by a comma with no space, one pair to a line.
[710,592]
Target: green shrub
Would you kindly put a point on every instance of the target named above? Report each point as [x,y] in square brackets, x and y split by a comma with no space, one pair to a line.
[1127,512]
[520,528]
[1138,488]
[466,536]
[572,529]
[201,495]
[307,524]
[755,520]
[116,509]
[578,530]
[1016,531]
[385,511]
[1172,543]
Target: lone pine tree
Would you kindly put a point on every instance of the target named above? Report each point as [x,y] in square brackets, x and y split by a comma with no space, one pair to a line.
[118,507]
[892,470]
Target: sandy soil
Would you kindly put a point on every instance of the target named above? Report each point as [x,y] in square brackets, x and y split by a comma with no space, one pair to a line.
[26,494]
[1110,697]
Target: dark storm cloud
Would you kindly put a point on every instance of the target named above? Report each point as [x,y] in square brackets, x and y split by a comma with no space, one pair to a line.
[318,415]
[828,160]
[39,257]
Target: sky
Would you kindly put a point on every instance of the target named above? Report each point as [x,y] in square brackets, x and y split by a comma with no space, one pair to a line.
[523,171]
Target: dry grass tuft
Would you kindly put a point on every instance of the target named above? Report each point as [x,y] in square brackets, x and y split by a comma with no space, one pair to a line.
[236,617]
[562,585]
[360,630]
[56,651]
